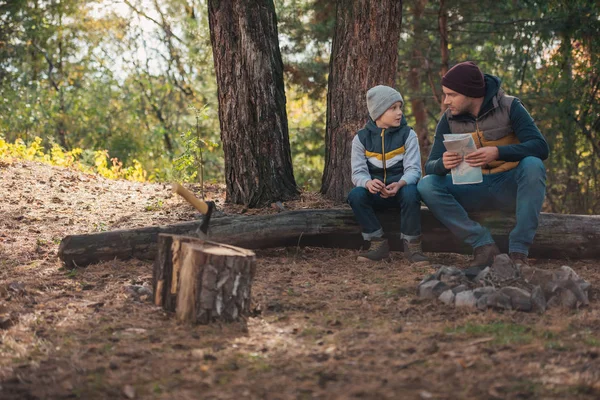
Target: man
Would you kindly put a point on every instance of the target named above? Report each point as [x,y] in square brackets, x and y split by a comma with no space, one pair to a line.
[510,150]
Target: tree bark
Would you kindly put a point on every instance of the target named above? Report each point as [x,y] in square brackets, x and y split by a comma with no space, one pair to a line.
[252,115]
[443,29]
[364,54]
[558,236]
[203,281]
[414,81]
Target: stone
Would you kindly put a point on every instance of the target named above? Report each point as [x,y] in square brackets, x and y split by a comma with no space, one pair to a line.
[431,289]
[472,272]
[482,302]
[538,300]
[465,299]
[520,299]
[427,279]
[570,273]
[498,300]
[503,269]
[479,279]
[447,297]
[459,288]
[573,287]
[451,276]
[567,299]
[483,291]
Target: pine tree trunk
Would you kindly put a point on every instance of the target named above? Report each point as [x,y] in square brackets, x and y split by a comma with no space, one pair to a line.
[203,281]
[364,54]
[417,101]
[443,29]
[253,120]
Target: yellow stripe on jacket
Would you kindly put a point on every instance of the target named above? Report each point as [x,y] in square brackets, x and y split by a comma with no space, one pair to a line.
[389,155]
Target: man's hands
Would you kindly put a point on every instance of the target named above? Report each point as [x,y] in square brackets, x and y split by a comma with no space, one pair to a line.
[478,158]
[376,186]
[482,156]
[451,159]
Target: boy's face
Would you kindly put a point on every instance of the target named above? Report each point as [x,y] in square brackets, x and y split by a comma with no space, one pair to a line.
[392,117]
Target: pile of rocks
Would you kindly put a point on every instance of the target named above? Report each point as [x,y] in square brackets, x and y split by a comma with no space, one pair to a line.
[506,286]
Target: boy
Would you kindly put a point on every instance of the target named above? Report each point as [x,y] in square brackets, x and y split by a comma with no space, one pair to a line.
[386,166]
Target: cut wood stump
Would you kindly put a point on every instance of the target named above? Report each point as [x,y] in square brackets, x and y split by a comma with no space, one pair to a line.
[202,281]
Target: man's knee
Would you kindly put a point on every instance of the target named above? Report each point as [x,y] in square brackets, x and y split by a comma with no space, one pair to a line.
[429,184]
[358,195]
[532,170]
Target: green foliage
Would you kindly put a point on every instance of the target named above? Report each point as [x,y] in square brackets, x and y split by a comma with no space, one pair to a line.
[190,165]
[86,74]
[98,162]
[546,53]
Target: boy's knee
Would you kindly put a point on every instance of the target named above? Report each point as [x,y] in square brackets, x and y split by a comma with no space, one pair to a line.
[358,194]
[410,193]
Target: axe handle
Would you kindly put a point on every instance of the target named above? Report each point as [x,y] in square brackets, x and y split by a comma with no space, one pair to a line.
[198,204]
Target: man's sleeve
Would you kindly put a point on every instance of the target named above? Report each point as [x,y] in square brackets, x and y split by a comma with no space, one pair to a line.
[532,140]
[360,170]
[435,164]
[412,160]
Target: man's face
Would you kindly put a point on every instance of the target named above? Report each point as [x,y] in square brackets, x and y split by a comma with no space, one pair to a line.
[391,117]
[456,102]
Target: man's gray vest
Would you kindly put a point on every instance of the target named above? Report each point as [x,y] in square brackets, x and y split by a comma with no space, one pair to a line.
[493,128]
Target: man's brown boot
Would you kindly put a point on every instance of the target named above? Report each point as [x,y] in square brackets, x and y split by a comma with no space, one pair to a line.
[414,254]
[483,256]
[519,259]
[379,250]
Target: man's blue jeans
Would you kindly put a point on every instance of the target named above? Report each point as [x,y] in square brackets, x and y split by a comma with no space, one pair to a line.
[364,204]
[522,189]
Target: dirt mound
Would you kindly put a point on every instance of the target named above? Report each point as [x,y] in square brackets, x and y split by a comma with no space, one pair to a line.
[323,325]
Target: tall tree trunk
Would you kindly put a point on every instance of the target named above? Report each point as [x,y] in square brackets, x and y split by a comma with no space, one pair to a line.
[414,81]
[253,120]
[364,54]
[443,28]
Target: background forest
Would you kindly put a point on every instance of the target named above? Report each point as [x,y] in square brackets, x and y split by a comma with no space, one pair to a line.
[137,78]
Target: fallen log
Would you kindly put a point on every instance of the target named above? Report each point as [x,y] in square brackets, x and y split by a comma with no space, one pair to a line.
[558,235]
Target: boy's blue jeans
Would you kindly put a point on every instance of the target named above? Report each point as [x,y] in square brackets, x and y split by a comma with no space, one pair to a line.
[364,204]
[522,189]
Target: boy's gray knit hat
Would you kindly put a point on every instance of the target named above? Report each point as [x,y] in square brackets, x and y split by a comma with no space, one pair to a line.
[380,98]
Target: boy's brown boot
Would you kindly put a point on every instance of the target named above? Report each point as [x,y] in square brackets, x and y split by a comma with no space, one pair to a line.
[414,254]
[379,250]
[483,256]
[519,259]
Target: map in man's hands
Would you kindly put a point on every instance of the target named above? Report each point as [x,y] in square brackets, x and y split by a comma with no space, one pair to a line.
[463,144]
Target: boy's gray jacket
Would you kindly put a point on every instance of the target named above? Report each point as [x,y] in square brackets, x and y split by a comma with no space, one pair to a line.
[390,155]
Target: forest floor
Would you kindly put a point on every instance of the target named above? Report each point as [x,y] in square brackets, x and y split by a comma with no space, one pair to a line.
[323,326]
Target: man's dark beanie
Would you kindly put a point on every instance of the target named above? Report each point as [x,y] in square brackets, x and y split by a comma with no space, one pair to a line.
[465,78]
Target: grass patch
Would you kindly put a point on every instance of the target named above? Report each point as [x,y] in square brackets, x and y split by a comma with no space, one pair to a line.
[592,341]
[503,333]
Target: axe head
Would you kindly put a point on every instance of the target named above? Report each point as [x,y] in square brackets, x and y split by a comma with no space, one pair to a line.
[206,219]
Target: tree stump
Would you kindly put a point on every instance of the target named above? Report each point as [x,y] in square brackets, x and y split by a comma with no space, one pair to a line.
[202,281]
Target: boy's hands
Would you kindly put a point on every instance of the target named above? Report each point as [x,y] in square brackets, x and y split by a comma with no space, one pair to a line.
[375,186]
[391,189]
